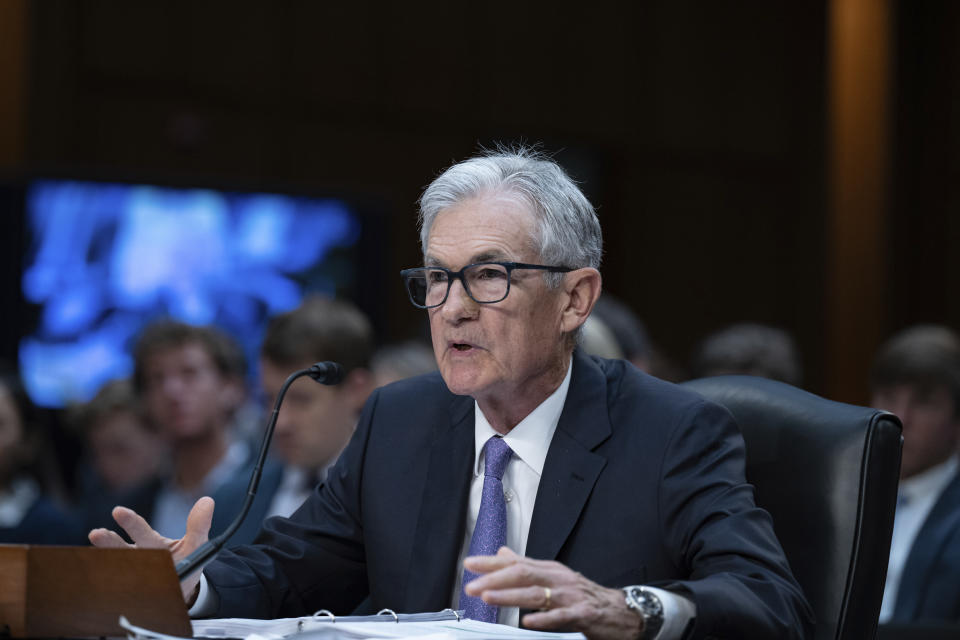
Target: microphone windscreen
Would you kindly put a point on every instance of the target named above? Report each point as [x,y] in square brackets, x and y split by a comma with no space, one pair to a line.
[327,372]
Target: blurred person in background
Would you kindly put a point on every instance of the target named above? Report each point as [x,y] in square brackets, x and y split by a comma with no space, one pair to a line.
[916,375]
[316,421]
[750,349]
[28,515]
[125,454]
[401,360]
[614,317]
[626,329]
[190,382]
[597,339]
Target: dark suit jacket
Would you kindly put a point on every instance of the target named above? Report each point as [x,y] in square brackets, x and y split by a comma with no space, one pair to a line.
[930,586]
[643,484]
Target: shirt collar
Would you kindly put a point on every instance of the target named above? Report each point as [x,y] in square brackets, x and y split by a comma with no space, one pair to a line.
[930,482]
[530,439]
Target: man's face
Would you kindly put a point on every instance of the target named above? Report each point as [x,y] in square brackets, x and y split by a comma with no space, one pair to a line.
[186,395]
[315,421]
[930,425]
[125,451]
[503,350]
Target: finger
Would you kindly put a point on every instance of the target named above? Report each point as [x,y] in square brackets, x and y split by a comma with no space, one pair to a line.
[562,618]
[523,573]
[107,539]
[199,521]
[533,597]
[138,529]
[485,564]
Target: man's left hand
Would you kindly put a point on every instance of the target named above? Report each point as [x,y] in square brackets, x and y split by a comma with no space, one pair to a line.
[565,599]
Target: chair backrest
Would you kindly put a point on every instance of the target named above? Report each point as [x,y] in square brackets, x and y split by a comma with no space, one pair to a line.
[827,472]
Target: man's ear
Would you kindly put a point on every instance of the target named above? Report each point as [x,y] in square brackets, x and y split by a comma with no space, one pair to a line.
[582,288]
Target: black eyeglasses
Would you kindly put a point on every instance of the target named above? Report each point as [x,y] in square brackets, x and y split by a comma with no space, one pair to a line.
[484,282]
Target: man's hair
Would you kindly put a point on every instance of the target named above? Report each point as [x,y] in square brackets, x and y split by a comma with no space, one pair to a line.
[566,230]
[924,356]
[116,396]
[165,335]
[320,329]
[750,349]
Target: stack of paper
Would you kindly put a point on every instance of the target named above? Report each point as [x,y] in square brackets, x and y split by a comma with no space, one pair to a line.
[419,626]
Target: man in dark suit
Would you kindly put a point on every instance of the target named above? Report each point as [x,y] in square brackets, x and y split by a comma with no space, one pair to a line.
[316,421]
[917,376]
[525,481]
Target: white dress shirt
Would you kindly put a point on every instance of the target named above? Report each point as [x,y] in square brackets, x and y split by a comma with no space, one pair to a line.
[915,498]
[529,441]
[291,492]
[296,485]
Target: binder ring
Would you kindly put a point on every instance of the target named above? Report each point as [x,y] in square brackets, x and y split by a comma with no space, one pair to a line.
[396,618]
[324,613]
[453,611]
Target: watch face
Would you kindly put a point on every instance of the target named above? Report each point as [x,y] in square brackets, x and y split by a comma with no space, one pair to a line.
[647,605]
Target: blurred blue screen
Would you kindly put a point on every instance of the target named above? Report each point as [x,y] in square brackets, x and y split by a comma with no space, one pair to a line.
[105,259]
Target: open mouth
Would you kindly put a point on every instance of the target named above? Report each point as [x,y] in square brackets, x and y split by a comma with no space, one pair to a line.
[459,346]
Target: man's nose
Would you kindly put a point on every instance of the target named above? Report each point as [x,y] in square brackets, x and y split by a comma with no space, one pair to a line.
[171,385]
[459,304]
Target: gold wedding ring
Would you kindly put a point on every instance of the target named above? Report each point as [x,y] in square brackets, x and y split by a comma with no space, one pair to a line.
[546,598]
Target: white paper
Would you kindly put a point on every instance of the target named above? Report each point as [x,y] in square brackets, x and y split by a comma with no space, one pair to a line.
[325,629]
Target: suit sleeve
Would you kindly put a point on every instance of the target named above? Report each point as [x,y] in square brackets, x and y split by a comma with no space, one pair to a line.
[738,576]
[315,559]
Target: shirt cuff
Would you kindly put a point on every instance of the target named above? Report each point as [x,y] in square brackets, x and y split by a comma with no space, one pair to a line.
[207,601]
[678,611]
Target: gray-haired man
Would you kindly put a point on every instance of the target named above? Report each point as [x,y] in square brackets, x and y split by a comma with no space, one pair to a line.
[525,476]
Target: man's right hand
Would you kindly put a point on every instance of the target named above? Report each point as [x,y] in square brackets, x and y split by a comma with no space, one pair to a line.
[144,537]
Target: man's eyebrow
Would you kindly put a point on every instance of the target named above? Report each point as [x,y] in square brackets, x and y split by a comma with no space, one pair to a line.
[490,256]
[486,256]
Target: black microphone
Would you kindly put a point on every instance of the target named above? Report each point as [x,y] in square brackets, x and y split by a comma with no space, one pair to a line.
[322,372]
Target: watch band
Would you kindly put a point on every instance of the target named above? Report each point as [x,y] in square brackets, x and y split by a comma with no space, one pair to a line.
[647,605]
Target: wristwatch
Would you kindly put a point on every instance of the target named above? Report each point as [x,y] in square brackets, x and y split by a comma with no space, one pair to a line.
[647,605]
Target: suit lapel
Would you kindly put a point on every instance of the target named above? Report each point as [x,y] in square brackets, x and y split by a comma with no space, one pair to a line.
[440,525]
[571,468]
[926,551]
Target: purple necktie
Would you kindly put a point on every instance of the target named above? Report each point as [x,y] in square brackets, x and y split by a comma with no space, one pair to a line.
[491,531]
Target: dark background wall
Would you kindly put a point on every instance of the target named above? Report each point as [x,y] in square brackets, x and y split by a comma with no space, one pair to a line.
[701,130]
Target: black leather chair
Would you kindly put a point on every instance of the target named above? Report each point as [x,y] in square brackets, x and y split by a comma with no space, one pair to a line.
[827,472]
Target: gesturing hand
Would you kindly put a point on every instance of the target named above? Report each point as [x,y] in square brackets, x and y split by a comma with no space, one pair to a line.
[144,537]
[566,599]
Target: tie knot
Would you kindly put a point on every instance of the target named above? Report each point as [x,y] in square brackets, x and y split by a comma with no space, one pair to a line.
[496,456]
